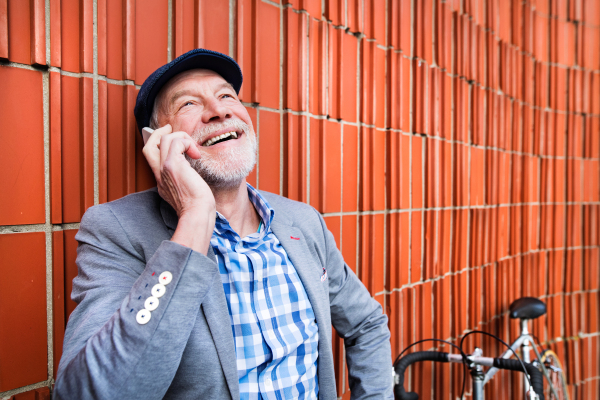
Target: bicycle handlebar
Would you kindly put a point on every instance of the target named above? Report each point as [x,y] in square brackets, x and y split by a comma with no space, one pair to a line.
[535,376]
[405,362]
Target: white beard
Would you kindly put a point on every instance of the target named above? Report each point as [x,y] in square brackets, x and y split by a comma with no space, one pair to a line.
[228,168]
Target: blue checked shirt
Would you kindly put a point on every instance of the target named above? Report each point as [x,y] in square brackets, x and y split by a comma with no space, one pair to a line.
[273,323]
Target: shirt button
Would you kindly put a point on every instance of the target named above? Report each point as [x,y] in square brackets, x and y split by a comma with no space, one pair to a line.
[151,303]
[143,316]
[158,290]
[268,383]
[165,278]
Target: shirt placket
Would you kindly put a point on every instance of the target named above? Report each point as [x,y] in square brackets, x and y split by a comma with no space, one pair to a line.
[264,315]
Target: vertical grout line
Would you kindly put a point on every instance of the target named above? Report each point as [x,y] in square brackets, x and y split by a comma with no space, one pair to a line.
[341,181]
[257,147]
[170,31]
[470,146]
[410,130]
[95,106]
[232,27]
[307,105]
[386,132]
[47,214]
[423,203]
[281,61]
[359,149]
[452,177]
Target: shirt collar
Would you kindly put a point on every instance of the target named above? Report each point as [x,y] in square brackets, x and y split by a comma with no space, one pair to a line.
[261,206]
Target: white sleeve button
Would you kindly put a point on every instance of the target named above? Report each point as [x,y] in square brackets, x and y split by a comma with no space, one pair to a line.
[158,290]
[151,303]
[143,316]
[165,278]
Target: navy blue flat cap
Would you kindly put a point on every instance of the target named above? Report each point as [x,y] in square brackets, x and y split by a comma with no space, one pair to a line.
[193,59]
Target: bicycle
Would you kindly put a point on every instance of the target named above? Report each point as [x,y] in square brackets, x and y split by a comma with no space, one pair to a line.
[547,365]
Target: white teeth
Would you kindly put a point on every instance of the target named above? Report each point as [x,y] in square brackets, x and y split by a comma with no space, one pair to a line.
[217,138]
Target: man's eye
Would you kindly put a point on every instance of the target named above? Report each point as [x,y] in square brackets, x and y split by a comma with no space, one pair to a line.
[228,95]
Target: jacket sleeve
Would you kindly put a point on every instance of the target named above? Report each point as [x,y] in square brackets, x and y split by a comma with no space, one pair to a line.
[360,321]
[107,353]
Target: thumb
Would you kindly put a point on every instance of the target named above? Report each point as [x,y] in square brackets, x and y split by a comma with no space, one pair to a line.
[191,149]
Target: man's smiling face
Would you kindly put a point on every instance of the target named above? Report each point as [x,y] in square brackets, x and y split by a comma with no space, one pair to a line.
[201,103]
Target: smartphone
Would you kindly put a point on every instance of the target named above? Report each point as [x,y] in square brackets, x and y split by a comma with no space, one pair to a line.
[146,132]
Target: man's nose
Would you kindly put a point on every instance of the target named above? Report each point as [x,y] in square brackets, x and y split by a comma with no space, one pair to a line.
[214,110]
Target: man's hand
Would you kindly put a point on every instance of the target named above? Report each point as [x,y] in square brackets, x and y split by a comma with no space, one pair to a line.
[181,186]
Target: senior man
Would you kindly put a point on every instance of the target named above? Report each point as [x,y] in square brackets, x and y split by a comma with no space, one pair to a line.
[206,287]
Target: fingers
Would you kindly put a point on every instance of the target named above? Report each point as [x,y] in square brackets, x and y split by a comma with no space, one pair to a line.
[151,150]
[177,140]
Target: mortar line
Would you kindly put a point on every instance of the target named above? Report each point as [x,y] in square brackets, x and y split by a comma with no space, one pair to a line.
[47,211]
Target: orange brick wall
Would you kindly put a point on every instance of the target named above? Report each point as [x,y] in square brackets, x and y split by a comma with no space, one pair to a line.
[452,146]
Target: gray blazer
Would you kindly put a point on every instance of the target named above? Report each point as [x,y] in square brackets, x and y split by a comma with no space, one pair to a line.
[186,350]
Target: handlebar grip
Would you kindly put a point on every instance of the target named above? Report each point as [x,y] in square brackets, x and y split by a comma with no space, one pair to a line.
[405,362]
[535,376]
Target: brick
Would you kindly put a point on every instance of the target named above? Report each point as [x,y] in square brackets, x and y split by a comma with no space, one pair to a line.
[350,158]
[398,239]
[295,61]
[372,236]
[76,50]
[4,30]
[42,393]
[23,346]
[121,136]
[76,151]
[151,34]
[375,21]
[59,299]
[589,36]
[295,157]
[120,27]
[423,24]
[253,112]
[313,7]
[372,84]
[355,16]
[317,66]
[398,92]
[334,225]
[418,166]
[334,56]
[332,167]
[22,32]
[102,141]
[55,148]
[416,241]
[350,249]
[372,192]
[269,143]
[316,139]
[335,11]
[348,93]
[21,155]
[267,51]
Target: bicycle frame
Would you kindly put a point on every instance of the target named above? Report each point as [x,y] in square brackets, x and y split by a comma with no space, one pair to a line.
[524,341]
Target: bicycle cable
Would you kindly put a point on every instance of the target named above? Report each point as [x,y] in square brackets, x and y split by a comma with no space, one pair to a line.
[431,340]
[501,341]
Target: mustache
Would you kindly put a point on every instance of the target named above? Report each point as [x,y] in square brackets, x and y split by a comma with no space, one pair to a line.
[233,124]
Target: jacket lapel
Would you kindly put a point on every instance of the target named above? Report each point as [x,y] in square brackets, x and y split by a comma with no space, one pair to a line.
[294,243]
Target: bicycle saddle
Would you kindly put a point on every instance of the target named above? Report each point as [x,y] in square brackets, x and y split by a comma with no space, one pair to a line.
[527,308]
